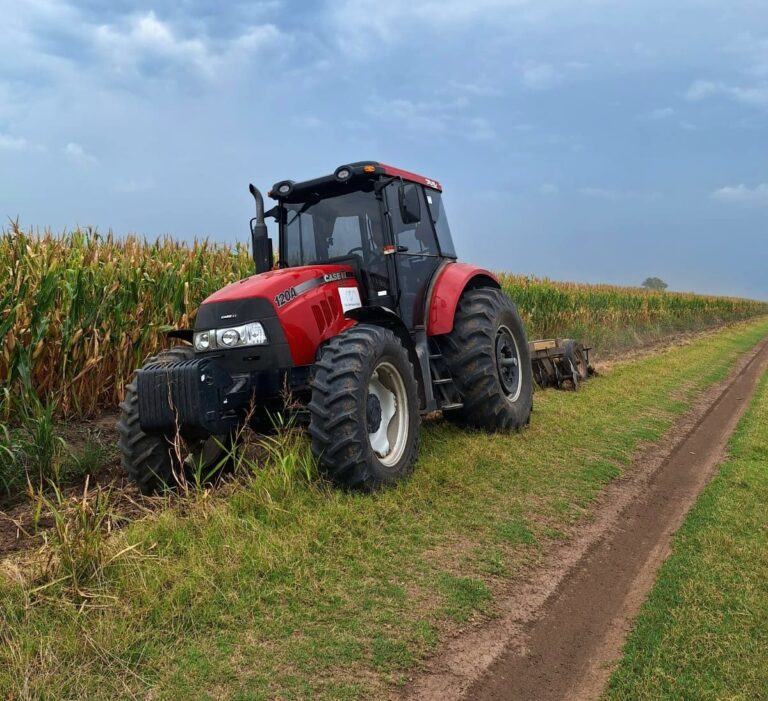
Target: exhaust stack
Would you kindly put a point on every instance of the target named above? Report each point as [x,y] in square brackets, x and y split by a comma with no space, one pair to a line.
[260,241]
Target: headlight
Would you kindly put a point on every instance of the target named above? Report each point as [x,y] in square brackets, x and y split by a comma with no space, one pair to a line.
[203,341]
[252,334]
[228,337]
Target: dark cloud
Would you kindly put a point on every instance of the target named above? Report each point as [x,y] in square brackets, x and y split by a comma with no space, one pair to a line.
[624,132]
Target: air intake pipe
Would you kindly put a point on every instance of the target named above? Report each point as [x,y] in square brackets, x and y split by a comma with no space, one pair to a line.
[260,241]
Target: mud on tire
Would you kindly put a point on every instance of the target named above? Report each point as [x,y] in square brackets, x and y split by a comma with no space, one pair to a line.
[488,357]
[348,407]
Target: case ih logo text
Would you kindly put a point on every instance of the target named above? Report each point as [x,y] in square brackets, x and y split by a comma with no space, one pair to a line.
[332,277]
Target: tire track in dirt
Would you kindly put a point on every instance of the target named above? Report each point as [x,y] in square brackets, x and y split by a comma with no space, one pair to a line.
[559,633]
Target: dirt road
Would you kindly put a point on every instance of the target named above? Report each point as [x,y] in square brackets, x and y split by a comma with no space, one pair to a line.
[559,632]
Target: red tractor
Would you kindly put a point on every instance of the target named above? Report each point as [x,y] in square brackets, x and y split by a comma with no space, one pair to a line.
[365,317]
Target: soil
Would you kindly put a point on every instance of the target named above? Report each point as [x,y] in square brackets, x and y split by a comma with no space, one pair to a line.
[560,631]
[21,528]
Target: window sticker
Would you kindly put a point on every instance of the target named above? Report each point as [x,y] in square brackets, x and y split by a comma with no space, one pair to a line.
[350,298]
[429,199]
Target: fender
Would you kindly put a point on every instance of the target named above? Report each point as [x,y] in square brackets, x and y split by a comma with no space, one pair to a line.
[447,288]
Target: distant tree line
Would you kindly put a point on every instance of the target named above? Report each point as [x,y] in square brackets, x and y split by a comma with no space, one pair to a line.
[654,283]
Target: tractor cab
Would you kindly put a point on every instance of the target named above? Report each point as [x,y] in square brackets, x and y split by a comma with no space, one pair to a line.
[388,224]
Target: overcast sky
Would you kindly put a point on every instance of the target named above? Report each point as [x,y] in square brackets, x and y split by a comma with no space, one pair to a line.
[590,140]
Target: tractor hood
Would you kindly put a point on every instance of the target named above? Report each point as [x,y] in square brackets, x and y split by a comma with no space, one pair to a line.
[281,287]
[302,307]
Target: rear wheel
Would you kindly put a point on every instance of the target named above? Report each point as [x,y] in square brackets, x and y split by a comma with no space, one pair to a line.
[156,462]
[364,412]
[487,355]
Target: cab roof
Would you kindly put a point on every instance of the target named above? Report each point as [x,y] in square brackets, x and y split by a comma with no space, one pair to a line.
[351,175]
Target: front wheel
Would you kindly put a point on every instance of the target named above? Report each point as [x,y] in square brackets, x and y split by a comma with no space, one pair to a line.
[364,412]
[487,355]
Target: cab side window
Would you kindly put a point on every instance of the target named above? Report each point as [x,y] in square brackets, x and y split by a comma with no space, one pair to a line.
[416,265]
[435,202]
[418,238]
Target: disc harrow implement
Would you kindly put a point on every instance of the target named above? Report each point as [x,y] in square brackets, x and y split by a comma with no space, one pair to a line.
[560,362]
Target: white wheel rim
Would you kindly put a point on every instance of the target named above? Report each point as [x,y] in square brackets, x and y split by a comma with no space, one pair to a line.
[506,334]
[389,439]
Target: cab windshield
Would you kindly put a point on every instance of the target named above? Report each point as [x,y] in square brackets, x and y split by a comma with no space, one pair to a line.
[339,227]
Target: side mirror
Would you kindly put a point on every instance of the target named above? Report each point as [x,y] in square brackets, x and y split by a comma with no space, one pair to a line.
[410,203]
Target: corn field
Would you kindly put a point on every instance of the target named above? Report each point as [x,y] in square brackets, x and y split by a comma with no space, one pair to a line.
[80,311]
[610,317]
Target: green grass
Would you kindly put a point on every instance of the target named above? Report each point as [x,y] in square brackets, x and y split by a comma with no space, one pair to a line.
[288,589]
[35,452]
[703,632]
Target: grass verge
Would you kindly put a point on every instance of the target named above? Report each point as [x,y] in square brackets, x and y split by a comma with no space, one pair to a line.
[703,632]
[288,589]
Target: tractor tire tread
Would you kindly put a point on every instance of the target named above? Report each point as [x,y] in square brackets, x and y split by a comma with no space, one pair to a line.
[469,351]
[337,427]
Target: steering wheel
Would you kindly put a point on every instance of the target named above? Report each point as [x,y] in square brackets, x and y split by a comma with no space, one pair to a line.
[375,256]
[367,270]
